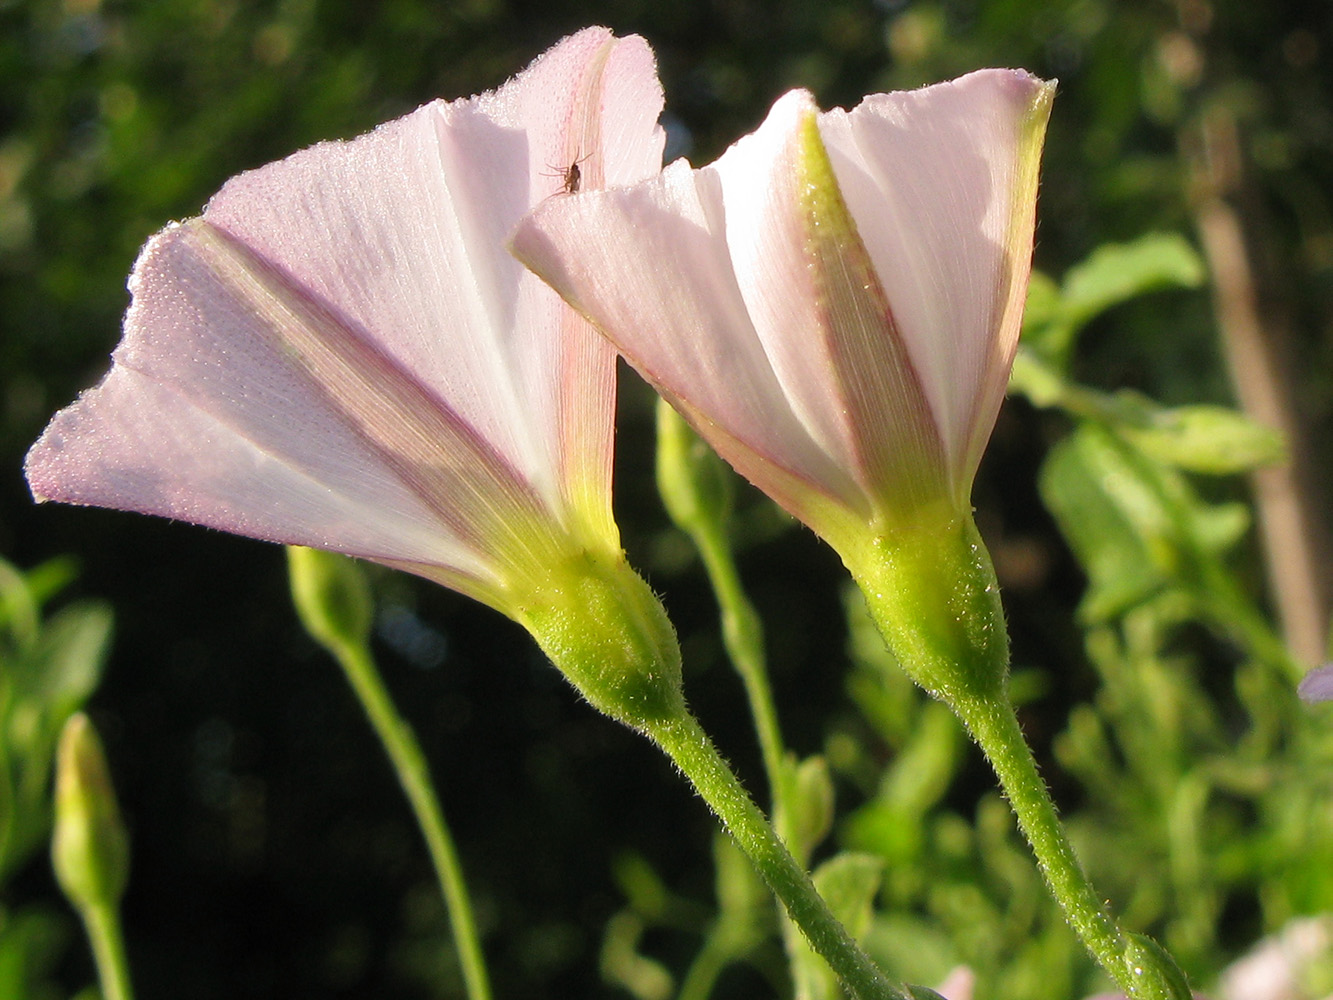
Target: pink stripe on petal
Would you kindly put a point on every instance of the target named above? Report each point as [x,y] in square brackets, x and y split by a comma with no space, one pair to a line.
[933,178]
[658,280]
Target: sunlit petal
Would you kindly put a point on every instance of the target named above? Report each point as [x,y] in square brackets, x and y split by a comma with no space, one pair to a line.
[341,352]
[834,304]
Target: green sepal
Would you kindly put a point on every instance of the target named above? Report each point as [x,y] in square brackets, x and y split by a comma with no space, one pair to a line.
[931,590]
[606,631]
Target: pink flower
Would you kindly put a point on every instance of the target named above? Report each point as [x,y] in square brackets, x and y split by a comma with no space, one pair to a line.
[341,353]
[1317,685]
[835,303]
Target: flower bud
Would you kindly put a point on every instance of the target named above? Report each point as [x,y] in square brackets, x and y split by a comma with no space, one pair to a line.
[332,597]
[89,847]
[694,482]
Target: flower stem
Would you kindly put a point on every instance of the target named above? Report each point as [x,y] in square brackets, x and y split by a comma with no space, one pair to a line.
[994,725]
[102,922]
[743,637]
[1143,970]
[687,744]
[931,589]
[409,762]
[696,490]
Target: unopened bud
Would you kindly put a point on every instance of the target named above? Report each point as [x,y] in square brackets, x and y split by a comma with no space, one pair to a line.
[89,847]
[695,484]
[332,597]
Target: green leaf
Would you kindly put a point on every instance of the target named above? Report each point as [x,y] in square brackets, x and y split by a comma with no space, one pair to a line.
[1136,525]
[23,593]
[67,662]
[1104,519]
[622,963]
[741,895]
[1112,274]
[809,803]
[848,882]
[1117,272]
[31,942]
[918,950]
[920,774]
[643,888]
[1208,439]
[1043,304]
[1037,379]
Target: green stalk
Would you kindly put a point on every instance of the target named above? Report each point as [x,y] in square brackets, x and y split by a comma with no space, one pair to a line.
[696,489]
[931,590]
[334,603]
[994,726]
[681,737]
[409,762]
[743,637]
[102,923]
[1140,967]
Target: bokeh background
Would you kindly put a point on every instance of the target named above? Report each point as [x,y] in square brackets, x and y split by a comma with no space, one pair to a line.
[273,853]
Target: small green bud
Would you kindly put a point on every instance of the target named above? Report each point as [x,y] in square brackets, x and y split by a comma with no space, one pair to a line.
[931,590]
[606,631]
[695,484]
[332,597]
[89,847]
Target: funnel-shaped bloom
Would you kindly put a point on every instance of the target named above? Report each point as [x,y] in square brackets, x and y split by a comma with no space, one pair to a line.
[835,302]
[834,305]
[341,353]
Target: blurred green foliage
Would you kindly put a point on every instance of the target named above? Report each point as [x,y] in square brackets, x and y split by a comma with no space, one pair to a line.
[273,856]
[49,666]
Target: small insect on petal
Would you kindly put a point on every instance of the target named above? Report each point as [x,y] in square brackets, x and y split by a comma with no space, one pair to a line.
[571,176]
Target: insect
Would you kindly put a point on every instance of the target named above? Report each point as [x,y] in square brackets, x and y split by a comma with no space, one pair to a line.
[571,176]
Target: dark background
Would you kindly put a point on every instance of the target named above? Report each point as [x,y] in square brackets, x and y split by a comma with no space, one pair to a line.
[273,853]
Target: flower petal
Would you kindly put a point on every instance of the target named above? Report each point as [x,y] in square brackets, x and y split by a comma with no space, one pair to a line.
[942,183]
[405,228]
[340,352]
[652,267]
[1317,685]
[237,402]
[834,364]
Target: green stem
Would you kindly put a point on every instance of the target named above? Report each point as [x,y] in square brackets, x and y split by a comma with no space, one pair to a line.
[931,589]
[687,744]
[102,923]
[743,637]
[408,761]
[995,727]
[1141,968]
